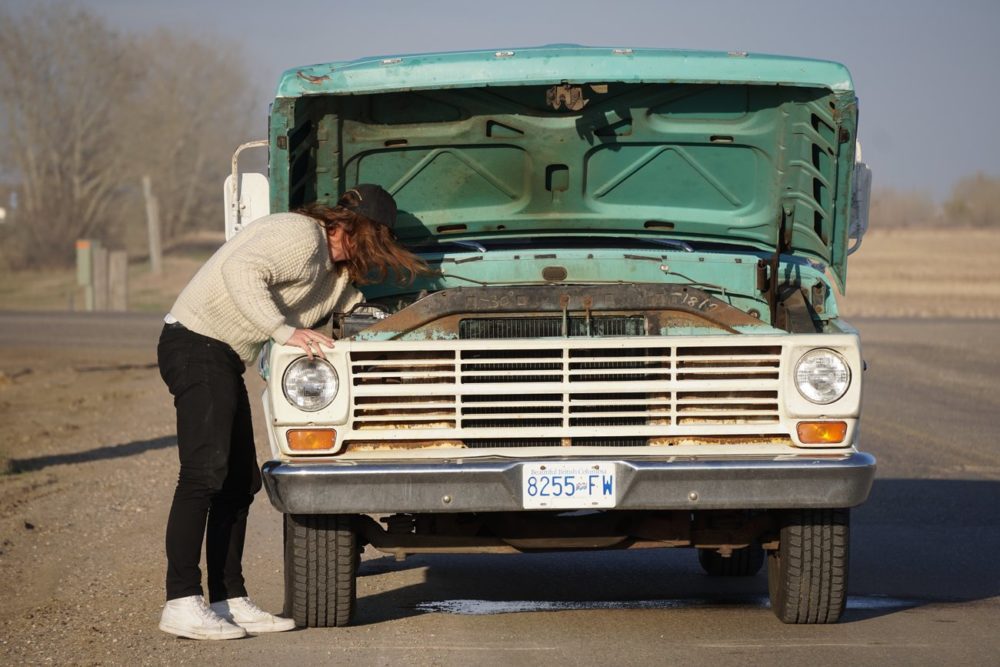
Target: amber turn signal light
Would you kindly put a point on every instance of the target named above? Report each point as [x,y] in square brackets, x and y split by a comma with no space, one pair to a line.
[311,439]
[822,433]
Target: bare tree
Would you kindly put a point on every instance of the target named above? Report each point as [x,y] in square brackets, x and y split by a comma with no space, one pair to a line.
[195,109]
[86,112]
[974,202]
[65,82]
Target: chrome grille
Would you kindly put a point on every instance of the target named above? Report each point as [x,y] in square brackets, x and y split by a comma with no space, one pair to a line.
[564,391]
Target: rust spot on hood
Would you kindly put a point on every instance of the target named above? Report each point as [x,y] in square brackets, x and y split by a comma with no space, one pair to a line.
[312,79]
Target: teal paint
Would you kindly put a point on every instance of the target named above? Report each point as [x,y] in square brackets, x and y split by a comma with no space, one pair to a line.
[554,64]
[692,331]
[711,146]
[435,334]
[280,126]
[375,336]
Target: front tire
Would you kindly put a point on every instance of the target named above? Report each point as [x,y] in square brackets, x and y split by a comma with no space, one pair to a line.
[807,574]
[320,569]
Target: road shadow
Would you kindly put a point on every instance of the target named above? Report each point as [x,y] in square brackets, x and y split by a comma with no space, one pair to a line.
[929,540]
[90,455]
[915,542]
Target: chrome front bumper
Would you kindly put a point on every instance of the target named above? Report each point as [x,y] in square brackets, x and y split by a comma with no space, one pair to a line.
[494,485]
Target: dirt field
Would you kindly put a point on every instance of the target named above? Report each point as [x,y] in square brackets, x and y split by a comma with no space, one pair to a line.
[86,440]
[924,273]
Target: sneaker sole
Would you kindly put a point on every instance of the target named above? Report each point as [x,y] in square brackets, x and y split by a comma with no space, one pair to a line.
[258,628]
[235,633]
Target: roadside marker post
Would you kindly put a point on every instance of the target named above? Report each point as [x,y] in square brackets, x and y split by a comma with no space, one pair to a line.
[103,275]
[85,270]
[100,278]
[118,280]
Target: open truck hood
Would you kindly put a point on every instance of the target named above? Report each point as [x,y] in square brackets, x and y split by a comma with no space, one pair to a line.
[694,146]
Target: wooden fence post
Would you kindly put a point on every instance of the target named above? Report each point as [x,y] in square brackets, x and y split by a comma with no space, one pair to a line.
[153,227]
[100,278]
[118,280]
[85,271]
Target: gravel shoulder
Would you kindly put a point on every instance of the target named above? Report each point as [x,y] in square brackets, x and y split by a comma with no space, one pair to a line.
[88,442]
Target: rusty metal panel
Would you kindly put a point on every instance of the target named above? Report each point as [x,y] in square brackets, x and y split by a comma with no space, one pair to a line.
[435,315]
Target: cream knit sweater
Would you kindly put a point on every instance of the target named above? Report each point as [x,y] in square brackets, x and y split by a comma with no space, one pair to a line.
[273,277]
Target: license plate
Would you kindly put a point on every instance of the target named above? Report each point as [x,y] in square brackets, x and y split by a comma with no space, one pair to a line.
[566,485]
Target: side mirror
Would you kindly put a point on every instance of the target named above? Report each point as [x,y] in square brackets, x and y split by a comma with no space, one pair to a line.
[861,192]
[247,197]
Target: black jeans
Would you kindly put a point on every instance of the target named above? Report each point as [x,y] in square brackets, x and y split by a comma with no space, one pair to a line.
[218,474]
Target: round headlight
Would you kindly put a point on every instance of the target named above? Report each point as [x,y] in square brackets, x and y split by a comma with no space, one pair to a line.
[310,384]
[822,376]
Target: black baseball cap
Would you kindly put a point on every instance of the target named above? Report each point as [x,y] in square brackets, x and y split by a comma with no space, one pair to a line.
[372,202]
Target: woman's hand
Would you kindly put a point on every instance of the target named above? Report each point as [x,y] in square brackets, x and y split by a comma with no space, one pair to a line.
[310,341]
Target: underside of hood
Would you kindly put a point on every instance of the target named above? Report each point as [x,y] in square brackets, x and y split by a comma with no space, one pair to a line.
[678,151]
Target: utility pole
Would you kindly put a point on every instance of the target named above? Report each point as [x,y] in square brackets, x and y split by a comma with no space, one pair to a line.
[153,227]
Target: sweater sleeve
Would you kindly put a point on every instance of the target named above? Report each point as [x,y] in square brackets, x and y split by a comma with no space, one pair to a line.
[269,257]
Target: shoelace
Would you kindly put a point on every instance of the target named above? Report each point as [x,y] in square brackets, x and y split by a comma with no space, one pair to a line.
[206,613]
[248,607]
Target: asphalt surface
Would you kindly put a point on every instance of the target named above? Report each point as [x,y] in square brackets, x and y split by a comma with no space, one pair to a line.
[925,575]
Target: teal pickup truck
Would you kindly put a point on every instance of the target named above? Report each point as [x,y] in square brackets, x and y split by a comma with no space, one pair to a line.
[631,338]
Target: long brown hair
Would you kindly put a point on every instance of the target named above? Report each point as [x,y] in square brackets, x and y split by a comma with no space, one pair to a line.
[374,250]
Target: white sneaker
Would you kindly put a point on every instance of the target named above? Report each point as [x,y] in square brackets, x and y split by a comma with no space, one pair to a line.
[191,617]
[249,616]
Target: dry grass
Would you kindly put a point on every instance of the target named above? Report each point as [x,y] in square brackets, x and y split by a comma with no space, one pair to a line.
[57,289]
[897,272]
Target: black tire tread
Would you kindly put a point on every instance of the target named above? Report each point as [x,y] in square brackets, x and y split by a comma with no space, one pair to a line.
[807,575]
[320,570]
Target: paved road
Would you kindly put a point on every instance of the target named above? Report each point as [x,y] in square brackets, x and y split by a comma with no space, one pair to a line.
[56,329]
[925,572]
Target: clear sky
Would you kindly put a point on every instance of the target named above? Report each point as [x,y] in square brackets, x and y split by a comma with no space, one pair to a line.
[926,71]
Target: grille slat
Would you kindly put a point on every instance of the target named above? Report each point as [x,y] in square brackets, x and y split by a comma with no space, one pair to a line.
[406,374]
[403,407]
[727,370]
[410,363]
[422,415]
